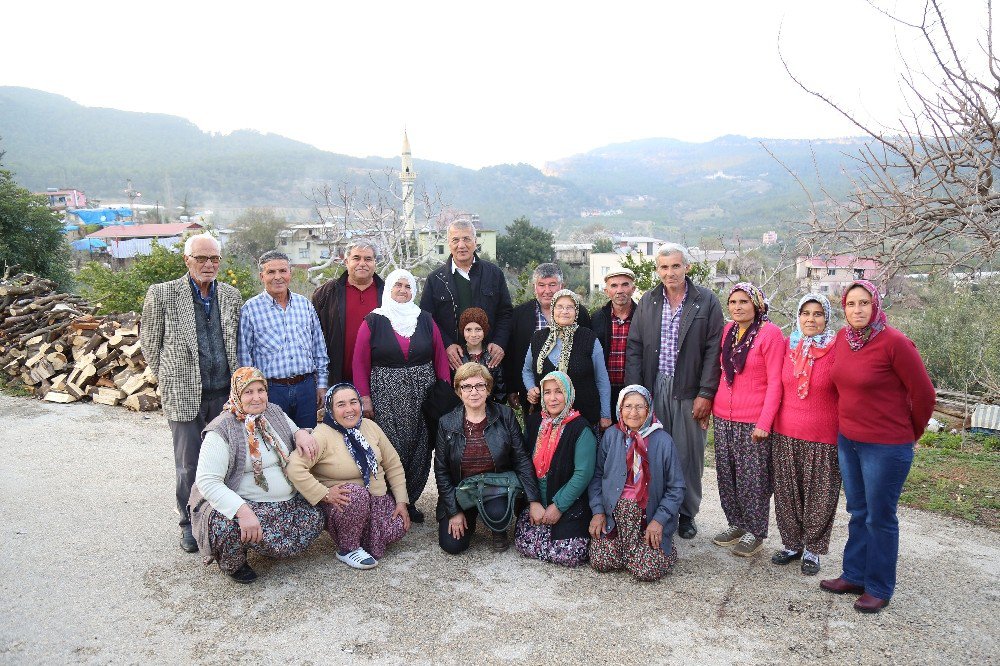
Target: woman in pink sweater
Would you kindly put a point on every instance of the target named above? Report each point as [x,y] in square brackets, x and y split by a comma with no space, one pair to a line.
[884,399]
[804,444]
[744,410]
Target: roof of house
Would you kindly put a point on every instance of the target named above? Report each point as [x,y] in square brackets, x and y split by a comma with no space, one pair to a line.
[145,230]
[840,261]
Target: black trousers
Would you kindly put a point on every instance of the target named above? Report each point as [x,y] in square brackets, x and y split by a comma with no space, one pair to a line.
[449,544]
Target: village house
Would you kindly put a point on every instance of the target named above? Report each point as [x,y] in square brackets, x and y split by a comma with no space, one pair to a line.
[832,274]
[125,242]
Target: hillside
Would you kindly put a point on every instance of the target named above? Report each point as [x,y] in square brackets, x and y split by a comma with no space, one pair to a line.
[51,141]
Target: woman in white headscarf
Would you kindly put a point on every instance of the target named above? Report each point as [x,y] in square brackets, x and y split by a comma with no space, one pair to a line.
[398,356]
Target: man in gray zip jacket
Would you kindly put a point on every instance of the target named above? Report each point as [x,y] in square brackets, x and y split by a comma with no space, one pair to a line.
[673,350]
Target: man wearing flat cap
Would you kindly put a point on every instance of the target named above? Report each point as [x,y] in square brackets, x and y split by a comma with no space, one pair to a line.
[611,324]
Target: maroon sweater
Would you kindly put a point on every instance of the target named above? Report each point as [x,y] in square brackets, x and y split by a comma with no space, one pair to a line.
[884,393]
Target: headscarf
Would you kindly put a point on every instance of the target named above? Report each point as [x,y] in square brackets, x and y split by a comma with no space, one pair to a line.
[258,430]
[552,426]
[636,448]
[357,445]
[806,350]
[559,333]
[858,338]
[402,316]
[735,349]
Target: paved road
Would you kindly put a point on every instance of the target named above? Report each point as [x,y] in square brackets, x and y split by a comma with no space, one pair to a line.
[90,573]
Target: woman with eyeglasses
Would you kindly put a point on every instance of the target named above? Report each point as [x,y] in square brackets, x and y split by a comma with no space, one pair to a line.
[567,347]
[477,437]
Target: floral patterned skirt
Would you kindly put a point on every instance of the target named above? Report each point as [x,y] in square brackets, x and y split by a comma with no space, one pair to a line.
[366,521]
[536,541]
[743,467]
[628,550]
[287,527]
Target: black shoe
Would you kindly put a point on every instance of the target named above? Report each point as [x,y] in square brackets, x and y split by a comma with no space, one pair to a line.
[499,543]
[416,515]
[244,575]
[188,543]
[686,529]
[783,557]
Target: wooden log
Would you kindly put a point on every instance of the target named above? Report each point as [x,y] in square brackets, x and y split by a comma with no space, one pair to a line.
[142,402]
[135,384]
[59,396]
[57,360]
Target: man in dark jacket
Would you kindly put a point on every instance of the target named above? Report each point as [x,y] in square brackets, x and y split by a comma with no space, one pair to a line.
[611,324]
[462,282]
[529,317]
[342,305]
[673,350]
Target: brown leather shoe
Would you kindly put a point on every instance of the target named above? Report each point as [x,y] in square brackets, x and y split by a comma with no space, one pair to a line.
[841,586]
[866,603]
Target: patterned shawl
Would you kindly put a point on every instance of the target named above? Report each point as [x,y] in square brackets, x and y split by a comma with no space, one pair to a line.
[559,333]
[735,349]
[402,316]
[257,427]
[806,350]
[859,337]
[636,459]
[360,449]
[552,426]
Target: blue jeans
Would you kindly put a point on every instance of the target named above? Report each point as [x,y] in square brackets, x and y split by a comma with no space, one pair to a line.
[296,400]
[873,479]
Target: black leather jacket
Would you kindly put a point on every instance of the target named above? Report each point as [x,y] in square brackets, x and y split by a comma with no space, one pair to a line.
[506,443]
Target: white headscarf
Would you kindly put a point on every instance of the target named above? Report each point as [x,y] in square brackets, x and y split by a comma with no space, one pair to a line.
[402,316]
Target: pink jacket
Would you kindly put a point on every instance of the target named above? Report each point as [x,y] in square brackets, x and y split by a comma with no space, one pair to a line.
[813,418]
[755,394]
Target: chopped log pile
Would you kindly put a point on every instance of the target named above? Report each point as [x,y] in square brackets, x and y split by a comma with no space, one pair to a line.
[53,344]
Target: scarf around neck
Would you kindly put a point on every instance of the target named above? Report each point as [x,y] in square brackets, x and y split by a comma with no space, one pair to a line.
[257,428]
[552,426]
[354,439]
[859,337]
[735,349]
[558,333]
[636,445]
[806,350]
[402,316]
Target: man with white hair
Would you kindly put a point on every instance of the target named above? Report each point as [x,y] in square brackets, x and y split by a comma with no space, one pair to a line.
[189,336]
[673,350]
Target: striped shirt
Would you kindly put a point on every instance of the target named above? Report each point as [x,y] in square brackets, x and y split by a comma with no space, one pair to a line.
[670,328]
[283,342]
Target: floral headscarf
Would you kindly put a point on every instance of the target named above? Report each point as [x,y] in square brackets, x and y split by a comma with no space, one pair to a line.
[636,448]
[360,449]
[552,426]
[402,316]
[258,430]
[858,338]
[735,348]
[559,333]
[806,350]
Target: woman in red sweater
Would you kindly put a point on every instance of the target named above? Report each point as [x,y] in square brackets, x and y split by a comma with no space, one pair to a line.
[804,443]
[745,407]
[885,398]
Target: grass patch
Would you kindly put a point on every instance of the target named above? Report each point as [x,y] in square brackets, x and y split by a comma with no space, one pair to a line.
[13,387]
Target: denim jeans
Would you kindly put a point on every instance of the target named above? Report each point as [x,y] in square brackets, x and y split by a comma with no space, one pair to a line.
[296,400]
[873,477]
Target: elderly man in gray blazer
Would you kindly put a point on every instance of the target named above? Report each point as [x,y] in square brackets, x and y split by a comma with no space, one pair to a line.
[673,350]
[189,335]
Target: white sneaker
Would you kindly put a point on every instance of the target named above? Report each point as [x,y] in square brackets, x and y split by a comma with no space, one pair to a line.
[358,559]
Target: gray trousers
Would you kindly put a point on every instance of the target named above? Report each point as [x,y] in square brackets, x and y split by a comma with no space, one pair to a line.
[187,445]
[689,439]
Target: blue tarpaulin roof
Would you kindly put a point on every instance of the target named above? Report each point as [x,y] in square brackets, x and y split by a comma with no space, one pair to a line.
[103,216]
[88,244]
[69,228]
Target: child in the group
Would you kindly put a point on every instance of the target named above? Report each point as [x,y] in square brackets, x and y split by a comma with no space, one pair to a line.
[474,326]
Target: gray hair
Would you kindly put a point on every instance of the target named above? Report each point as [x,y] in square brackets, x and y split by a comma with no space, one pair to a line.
[547,270]
[674,248]
[189,243]
[360,244]
[272,255]
[462,224]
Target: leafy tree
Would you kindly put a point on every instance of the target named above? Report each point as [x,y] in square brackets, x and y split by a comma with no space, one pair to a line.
[603,244]
[254,233]
[523,244]
[30,234]
[644,269]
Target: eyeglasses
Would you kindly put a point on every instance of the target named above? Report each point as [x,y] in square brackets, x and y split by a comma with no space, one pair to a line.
[201,259]
[565,308]
[472,388]
[466,240]
[634,408]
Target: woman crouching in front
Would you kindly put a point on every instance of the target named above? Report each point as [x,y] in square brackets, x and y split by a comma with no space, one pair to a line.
[242,498]
[350,478]
[565,451]
[636,492]
[479,437]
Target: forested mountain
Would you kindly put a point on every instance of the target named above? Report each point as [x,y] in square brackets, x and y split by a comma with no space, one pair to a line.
[51,141]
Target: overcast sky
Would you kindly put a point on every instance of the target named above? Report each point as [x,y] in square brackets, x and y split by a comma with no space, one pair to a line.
[475,83]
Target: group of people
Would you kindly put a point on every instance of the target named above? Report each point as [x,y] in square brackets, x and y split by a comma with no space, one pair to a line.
[616,407]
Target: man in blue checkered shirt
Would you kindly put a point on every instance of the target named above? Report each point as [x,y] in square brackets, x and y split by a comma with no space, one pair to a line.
[281,336]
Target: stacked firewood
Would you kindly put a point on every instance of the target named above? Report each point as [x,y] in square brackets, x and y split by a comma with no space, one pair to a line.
[54,344]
